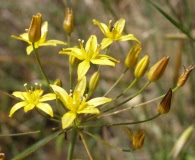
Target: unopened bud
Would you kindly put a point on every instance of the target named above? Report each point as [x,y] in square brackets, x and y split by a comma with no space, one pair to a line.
[165,104]
[141,67]
[34,31]
[184,76]
[58,82]
[132,56]
[157,70]
[94,81]
[68,23]
[73,60]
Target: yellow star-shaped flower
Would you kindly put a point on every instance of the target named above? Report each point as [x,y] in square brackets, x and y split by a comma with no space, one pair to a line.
[33,98]
[77,103]
[42,41]
[89,54]
[113,33]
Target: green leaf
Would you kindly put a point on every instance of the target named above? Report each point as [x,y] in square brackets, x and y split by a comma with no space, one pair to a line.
[174,22]
[37,145]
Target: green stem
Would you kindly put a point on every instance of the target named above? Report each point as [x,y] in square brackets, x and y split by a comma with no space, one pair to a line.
[108,144]
[72,144]
[121,124]
[40,66]
[86,146]
[131,97]
[117,81]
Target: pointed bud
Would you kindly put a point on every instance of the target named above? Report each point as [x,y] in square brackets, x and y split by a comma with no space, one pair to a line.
[138,139]
[184,76]
[132,56]
[73,60]
[68,23]
[157,70]
[141,67]
[165,104]
[58,82]
[94,81]
[34,31]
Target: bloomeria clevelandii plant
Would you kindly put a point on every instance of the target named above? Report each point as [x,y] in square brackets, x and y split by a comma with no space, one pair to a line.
[76,109]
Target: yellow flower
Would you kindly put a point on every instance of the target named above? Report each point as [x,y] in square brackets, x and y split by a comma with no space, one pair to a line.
[89,54]
[77,103]
[41,42]
[114,33]
[33,98]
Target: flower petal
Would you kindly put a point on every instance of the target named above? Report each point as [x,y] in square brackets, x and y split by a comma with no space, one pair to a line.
[104,28]
[81,86]
[103,62]
[128,37]
[106,42]
[45,108]
[47,97]
[83,67]
[61,93]
[29,49]
[76,52]
[91,45]
[67,119]
[52,42]
[89,110]
[29,107]
[21,95]
[98,101]
[119,26]
[16,107]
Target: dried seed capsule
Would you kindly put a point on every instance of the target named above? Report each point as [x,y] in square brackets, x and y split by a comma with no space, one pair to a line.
[68,23]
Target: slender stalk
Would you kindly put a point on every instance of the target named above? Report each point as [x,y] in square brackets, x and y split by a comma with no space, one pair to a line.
[121,124]
[108,144]
[72,144]
[19,134]
[86,146]
[128,99]
[117,81]
[39,64]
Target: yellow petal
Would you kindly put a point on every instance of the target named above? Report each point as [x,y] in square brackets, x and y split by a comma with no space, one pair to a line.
[103,62]
[29,107]
[89,110]
[81,86]
[61,93]
[21,95]
[91,45]
[83,67]
[106,42]
[45,108]
[104,28]
[67,119]
[29,49]
[128,37]
[48,97]
[98,101]
[76,52]
[119,26]
[16,107]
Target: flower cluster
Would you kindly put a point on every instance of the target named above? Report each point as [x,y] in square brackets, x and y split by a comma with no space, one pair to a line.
[79,109]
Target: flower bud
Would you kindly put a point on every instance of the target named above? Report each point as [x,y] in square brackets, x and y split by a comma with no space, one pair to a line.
[58,82]
[138,139]
[94,81]
[141,67]
[184,76]
[165,104]
[73,60]
[132,56]
[34,31]
[157,70]
[68,23]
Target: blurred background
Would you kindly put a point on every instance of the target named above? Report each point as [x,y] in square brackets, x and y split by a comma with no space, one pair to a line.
[159,37]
